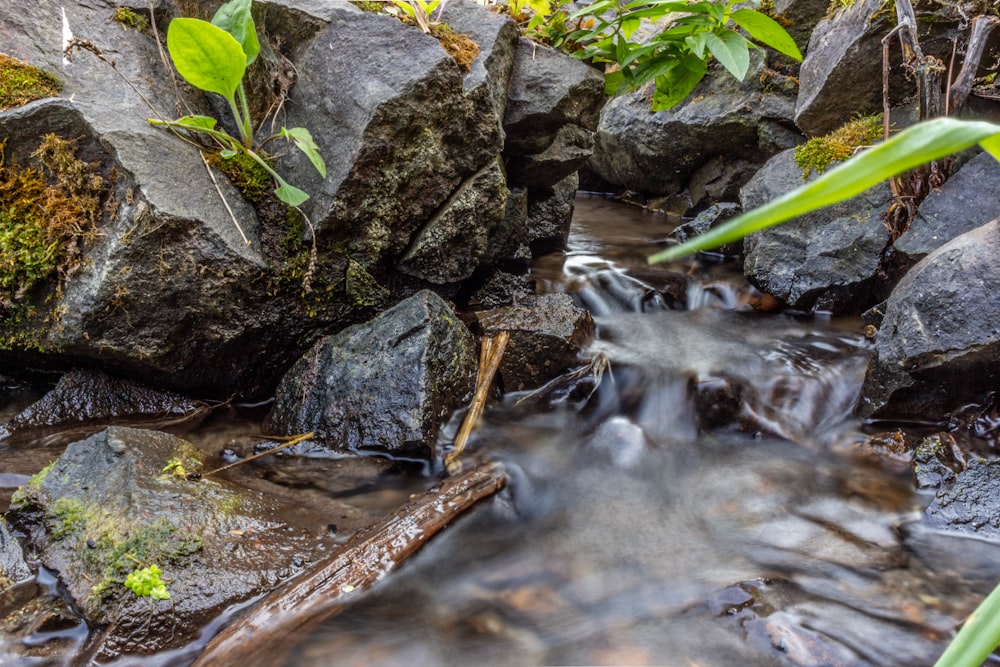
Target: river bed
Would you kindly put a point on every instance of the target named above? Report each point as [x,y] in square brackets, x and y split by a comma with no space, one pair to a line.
[703,498]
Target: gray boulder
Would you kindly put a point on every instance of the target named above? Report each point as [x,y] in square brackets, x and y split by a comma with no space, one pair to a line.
[118,502]
[385,385]
[549,214]
[939,344]
[657,153]
[967,200]
[827,260]
[969,502]
[13,568]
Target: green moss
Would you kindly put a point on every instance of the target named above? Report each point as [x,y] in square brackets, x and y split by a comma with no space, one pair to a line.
[66,516]
[249,177]
[29,491]
[375,6]
[363,290]
[820,152]
[128,18]
[21,83]
[46,209]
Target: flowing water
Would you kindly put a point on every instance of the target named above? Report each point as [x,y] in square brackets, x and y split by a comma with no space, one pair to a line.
[698,499]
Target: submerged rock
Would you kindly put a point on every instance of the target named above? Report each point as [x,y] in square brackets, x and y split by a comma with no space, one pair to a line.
[89,397]
[117,503]
[827,260]
[386,385]
[938,347]
[547,335]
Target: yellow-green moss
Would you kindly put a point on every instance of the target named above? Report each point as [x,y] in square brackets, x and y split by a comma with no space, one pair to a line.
[129,18]
[819,152]
[27,492]
[458,45]
[249,177]
[21,83]
[44,212]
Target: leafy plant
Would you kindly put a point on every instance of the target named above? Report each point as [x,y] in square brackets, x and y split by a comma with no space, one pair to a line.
[915,146]
[676,58]
[146,582]
[214,57]
[420,11]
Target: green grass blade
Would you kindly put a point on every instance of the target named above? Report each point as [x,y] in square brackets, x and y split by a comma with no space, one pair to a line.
[978,637]
[911,148]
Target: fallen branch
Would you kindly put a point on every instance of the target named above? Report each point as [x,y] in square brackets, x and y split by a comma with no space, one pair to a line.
[490,355]
[265,635]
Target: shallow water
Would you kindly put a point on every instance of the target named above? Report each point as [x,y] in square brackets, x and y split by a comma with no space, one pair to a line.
[698,503]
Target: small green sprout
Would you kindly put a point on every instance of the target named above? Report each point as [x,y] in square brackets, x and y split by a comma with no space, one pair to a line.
[146,582]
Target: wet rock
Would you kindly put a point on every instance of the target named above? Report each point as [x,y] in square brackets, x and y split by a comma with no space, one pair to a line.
[939,342]
[547,335]
[553,104]
[966,201]
[470,220]
[713,216]
[936,461]
[969,503]
[550,211]
[384,385]
[13,568]
[88,397]
[718,180]
[657,153]
[802,17]
[114,503]
[501,289]
[827,260]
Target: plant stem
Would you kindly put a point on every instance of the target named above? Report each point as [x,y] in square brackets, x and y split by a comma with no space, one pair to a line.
[246,129]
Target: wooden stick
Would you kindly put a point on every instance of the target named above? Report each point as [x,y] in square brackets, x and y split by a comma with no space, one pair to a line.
[265,635]
[490,354]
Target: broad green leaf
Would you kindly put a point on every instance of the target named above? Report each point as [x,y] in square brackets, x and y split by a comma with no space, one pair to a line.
[978,638]
[594,9]
[992,145]
[304,141]
[629,26]
[540,7]
[407,7]
[289,194]
[613,82]
[767,31]
[673,87]
[697,43]
[640,52]
[197,122]
[234,17]
[227,154]
[910,148]
[206,56]
[730,49]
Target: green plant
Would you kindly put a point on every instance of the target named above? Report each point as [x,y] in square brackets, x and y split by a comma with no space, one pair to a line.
[214,56]
[130,19]
[676,58]
[146,582]
[913,147]
[420,12]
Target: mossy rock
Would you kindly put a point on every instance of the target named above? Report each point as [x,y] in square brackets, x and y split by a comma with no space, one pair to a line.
[21,83]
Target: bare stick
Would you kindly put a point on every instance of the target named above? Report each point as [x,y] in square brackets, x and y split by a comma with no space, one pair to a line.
[294,441]
[490,354]
[982,26]
[318,595]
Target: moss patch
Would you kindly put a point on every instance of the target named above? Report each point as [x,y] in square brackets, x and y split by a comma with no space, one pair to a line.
[459,46]
[249,177]
[819,152]
[45,213]
[21,83]
[129,18]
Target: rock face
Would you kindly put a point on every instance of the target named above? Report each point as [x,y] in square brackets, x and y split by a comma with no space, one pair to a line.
[827,260]
[547,336]
[114,499]
[657,153]
[414,194]
[386,385]
[970,503]
[966,201]
[939,342]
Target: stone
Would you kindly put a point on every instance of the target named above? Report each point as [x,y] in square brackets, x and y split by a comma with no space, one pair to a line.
[828,260]
[13,568]
[657,153]
[547,335]
[114,503]
[713,216]
[939,342]
[970,503]
[550,212]
[386,385]
[966,200]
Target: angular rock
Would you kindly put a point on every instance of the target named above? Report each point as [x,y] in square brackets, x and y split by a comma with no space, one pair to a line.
[967,200]
[970,503]
[713,216]
[802,16]
[827,260]
[13,568]
[454,242]
[385,385]
[88,397]
[939,343]
[550,212]
[553,106]
[657,153]
[547,335]
[114,503]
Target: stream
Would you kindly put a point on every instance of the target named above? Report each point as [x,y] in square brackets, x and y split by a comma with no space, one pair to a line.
[701,496]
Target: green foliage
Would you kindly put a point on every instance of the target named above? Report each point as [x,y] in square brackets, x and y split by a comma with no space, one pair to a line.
[419,11]
[21,83]
[819,152]
[214,56]
[146,582]
[676,58]
[917,145]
